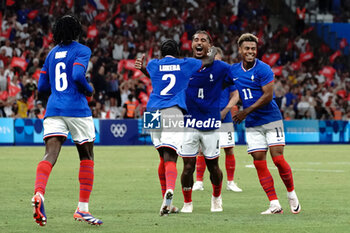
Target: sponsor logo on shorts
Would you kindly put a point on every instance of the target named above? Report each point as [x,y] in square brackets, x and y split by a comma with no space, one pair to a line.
[119,130]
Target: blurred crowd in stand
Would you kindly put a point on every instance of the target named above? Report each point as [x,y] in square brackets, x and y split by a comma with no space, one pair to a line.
[312,82]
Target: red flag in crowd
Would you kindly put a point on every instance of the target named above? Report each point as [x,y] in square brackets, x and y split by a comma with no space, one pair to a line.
[10,2]
[150,54]
[186,45]
[31,15]
[151,27]
[6,33]
[117,10]
[36,75]
[233,18]
[306,56]
[271,59]
[69,3]
[343,43]
[137,74]
[20,62]
[13,89]
[166,23]
[328,72]
[30,102]
[101,16]
[277,70]
[334,56]
[92,31]
[296,65]
[3,95]
[184,37]
[307,30]
[118,22]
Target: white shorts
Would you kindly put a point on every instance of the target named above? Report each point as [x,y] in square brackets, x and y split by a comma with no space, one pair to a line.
[82,129]
[170,137]
[207,141]
[259,138]
[227,135]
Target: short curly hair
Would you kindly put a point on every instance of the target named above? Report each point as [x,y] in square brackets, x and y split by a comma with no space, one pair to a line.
[66,29]
[247,37]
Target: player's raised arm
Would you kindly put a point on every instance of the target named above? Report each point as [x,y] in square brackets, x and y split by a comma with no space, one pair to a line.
[139,65]
[211,56]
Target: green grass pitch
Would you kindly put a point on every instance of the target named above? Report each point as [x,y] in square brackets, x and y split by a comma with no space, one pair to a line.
[126,194]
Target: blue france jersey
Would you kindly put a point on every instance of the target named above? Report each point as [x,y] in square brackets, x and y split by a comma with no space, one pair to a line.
[224,99]
[170,77]
[67,98]
[249,84]
[203,93]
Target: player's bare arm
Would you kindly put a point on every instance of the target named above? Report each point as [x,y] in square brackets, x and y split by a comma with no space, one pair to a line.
[262,101]
[139,65]
[234,97]
[211,56]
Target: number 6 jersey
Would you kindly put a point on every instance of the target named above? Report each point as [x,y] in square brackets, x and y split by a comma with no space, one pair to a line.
[249,84]
[64,74]
[170,77]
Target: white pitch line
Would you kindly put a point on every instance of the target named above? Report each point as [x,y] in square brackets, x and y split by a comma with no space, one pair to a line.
[305,170]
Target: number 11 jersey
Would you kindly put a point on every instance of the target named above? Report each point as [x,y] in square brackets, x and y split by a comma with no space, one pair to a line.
[170,77]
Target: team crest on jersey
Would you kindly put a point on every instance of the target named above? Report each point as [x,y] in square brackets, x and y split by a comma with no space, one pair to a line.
[252,78]
[211,78]
[61,54]
[151,120]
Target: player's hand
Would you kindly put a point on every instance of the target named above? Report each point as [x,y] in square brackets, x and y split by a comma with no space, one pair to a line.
[212,50]
[239,117]
[139,62]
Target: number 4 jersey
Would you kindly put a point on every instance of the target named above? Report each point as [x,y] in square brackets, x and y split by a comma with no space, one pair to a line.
[170,77]
[249,84]
[64,74]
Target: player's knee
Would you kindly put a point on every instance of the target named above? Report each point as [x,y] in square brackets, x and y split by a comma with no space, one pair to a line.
[188,168]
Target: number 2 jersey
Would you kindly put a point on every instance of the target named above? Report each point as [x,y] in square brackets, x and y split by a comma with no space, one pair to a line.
[249,84]
[67,89]
[170,77]
[203,95]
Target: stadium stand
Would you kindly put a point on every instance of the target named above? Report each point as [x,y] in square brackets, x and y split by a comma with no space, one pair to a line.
[310,62]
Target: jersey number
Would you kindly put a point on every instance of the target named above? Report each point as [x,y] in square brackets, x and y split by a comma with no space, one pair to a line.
[247,93]
[170,85]
[279,132]
[200,93]
[61,82]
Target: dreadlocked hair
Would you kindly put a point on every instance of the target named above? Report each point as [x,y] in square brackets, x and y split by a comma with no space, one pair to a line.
[66,29]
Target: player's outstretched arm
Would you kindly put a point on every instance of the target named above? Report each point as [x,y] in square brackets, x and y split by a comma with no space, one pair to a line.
[234,97]
[139,65]
[211,56]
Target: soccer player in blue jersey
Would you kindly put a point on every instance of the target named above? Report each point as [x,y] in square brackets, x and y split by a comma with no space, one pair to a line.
[263,121]
[203,122]
[170,77]
[229,98]
[63,74]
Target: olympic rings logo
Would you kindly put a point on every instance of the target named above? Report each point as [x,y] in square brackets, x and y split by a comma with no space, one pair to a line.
[119,130]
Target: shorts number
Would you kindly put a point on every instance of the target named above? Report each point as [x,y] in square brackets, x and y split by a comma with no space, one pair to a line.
[247,93]
[61,82]
[279,132]
[170,85]
[229,136]
[200,93]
